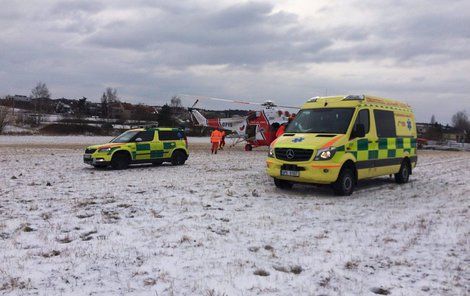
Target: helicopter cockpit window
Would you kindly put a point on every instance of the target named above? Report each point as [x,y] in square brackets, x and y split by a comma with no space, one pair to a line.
[325,120]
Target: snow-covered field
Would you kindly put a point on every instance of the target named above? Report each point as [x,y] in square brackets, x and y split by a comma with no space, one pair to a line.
[67,141]
[218,226]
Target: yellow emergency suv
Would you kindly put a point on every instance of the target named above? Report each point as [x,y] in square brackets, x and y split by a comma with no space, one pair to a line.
[143,145]
[342,139]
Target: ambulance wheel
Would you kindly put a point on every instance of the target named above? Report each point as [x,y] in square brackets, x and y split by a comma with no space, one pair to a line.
[403,174]
[283,184]
[248,147]
[345,183]
[120,161]
[178,158]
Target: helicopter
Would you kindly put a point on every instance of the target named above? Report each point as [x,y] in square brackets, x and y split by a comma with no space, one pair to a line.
[257,129]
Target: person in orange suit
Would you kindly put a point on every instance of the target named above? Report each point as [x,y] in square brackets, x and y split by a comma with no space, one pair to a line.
[216,136]
[283,126]
[222,139]
[281,130]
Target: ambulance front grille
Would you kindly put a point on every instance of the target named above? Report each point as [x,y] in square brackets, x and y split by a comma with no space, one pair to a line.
[90,151]
[293,154]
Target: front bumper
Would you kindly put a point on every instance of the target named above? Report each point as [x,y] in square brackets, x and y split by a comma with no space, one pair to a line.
[95,161]
[313,172]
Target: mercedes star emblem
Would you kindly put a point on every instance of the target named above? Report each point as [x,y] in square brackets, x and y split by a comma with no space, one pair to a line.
[290,153]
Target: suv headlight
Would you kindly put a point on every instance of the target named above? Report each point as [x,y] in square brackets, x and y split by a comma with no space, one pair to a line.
[106,149]
[271,152]
[326,153]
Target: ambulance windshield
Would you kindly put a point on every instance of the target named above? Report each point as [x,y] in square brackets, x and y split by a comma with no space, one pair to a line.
[124,137]
[324,120]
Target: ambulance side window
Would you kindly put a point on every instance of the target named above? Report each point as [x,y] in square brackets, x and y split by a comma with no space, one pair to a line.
[363,118]
[385,123]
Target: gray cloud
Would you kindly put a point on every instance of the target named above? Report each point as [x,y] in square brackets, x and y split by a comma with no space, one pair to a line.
[150,50]
[241,34]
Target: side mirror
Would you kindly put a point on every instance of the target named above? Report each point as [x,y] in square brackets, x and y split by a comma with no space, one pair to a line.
[138,140]
[359,131]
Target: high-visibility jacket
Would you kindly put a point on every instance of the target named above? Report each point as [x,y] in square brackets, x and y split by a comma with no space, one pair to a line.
[280,131]
[216,136]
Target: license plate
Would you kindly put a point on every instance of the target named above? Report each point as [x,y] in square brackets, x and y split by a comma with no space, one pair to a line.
[290,173]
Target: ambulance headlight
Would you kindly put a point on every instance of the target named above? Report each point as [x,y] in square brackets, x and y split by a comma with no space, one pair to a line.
[326,153]
[104,150]
[271,152]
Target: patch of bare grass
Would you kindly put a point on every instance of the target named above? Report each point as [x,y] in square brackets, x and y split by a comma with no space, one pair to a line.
[261,272]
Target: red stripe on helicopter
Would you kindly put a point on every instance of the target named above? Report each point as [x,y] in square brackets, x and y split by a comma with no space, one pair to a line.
[214,122]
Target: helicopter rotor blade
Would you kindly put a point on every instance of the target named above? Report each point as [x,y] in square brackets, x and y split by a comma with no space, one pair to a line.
[197,100]
[222,100]
[288,107]
[267,103]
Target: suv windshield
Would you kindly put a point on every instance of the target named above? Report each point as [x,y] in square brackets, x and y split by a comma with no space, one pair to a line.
[324,120]
[125,137]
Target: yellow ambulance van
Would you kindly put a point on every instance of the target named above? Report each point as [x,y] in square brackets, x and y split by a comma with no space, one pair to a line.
[342,139]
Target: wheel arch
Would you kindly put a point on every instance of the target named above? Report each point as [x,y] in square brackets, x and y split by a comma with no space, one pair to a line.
[122,152]
[349,163]
[180,150]
[407,160]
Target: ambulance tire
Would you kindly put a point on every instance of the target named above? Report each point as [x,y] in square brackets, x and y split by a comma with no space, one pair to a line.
[178,158]
[345,183]
[120,161]
[403,174]
[283,184]
[248,147]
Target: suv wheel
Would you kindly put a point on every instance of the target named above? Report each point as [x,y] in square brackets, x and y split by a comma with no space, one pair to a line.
[283,184]
[178,158]
[345,183]
[403,174]
[120,161]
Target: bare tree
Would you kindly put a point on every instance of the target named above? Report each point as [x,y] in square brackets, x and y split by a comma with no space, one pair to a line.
[175,102]
[3,117]
[109,97]
[40,91]
[460,121]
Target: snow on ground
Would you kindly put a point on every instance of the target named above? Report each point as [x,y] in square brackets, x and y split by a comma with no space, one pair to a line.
[10,140]
[218,226]
[15,129]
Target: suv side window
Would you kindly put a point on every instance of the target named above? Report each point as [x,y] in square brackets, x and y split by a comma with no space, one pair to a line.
[385,123]
[146,136]
[170,135]
[363,118]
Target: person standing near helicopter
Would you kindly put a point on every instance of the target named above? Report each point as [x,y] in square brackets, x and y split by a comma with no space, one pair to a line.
[222,139]
[283,126]
[216,137]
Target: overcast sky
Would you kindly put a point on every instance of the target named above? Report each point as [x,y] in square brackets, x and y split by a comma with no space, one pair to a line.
[287,51]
